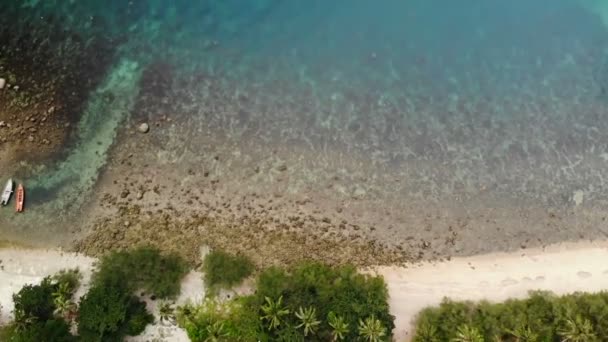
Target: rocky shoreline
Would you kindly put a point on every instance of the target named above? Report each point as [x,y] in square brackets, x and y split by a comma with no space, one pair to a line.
[47,71]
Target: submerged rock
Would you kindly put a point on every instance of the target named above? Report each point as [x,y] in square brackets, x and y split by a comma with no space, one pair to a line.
[143,128]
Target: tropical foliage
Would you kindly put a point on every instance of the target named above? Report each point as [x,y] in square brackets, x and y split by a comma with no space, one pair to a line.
[42,311]
[223,270]
[542,316]
[310,302]
[144,268]
[109,311]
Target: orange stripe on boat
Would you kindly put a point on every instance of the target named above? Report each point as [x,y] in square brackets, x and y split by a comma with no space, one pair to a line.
[20,198]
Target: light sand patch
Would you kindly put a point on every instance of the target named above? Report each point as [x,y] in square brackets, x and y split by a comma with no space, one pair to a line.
[19,267]
[192,290]
[560,268]
[29,266]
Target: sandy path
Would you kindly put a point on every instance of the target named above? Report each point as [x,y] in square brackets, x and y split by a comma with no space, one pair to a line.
[560,268]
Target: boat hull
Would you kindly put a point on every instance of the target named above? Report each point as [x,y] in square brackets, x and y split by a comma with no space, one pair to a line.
[20,198]
[6,194]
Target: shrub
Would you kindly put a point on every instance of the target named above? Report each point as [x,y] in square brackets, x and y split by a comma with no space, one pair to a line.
[541,317]
[312,299]
[69,278]
[340,290]
[34,315]
[145,268]
[54,330]
[233,320]
[225,270]
[138,316]
[34,302]
[109,311]
[103,311]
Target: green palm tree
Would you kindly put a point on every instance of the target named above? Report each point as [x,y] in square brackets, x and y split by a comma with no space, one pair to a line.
[466,333]
[216,332]
[64,307]
[22,322]
[371,329]
[426,332]
[577,330]
[63,290]
[166,312]
[338,326]
[273,311]
[308,317]
[523,333]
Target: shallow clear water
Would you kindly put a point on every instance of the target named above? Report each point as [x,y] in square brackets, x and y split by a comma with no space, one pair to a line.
[450,97]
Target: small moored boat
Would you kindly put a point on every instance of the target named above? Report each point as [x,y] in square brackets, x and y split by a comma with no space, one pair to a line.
[8,191]
[20,198]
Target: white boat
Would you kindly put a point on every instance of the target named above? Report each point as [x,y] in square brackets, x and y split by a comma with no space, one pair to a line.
[8,191]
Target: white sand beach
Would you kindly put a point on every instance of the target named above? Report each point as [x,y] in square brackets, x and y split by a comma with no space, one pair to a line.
[560,268]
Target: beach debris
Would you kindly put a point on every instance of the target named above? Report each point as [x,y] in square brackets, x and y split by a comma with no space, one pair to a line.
[143,128]
[2,83]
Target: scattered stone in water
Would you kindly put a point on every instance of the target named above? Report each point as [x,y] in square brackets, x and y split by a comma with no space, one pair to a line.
[124,193]
[127,224]
[30,138]
[143,128]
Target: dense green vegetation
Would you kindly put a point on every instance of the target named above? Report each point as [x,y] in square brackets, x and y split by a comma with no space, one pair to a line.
[143,268]
[109,311]
[43,312]
[541,317]
[311,302]
[223,270]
